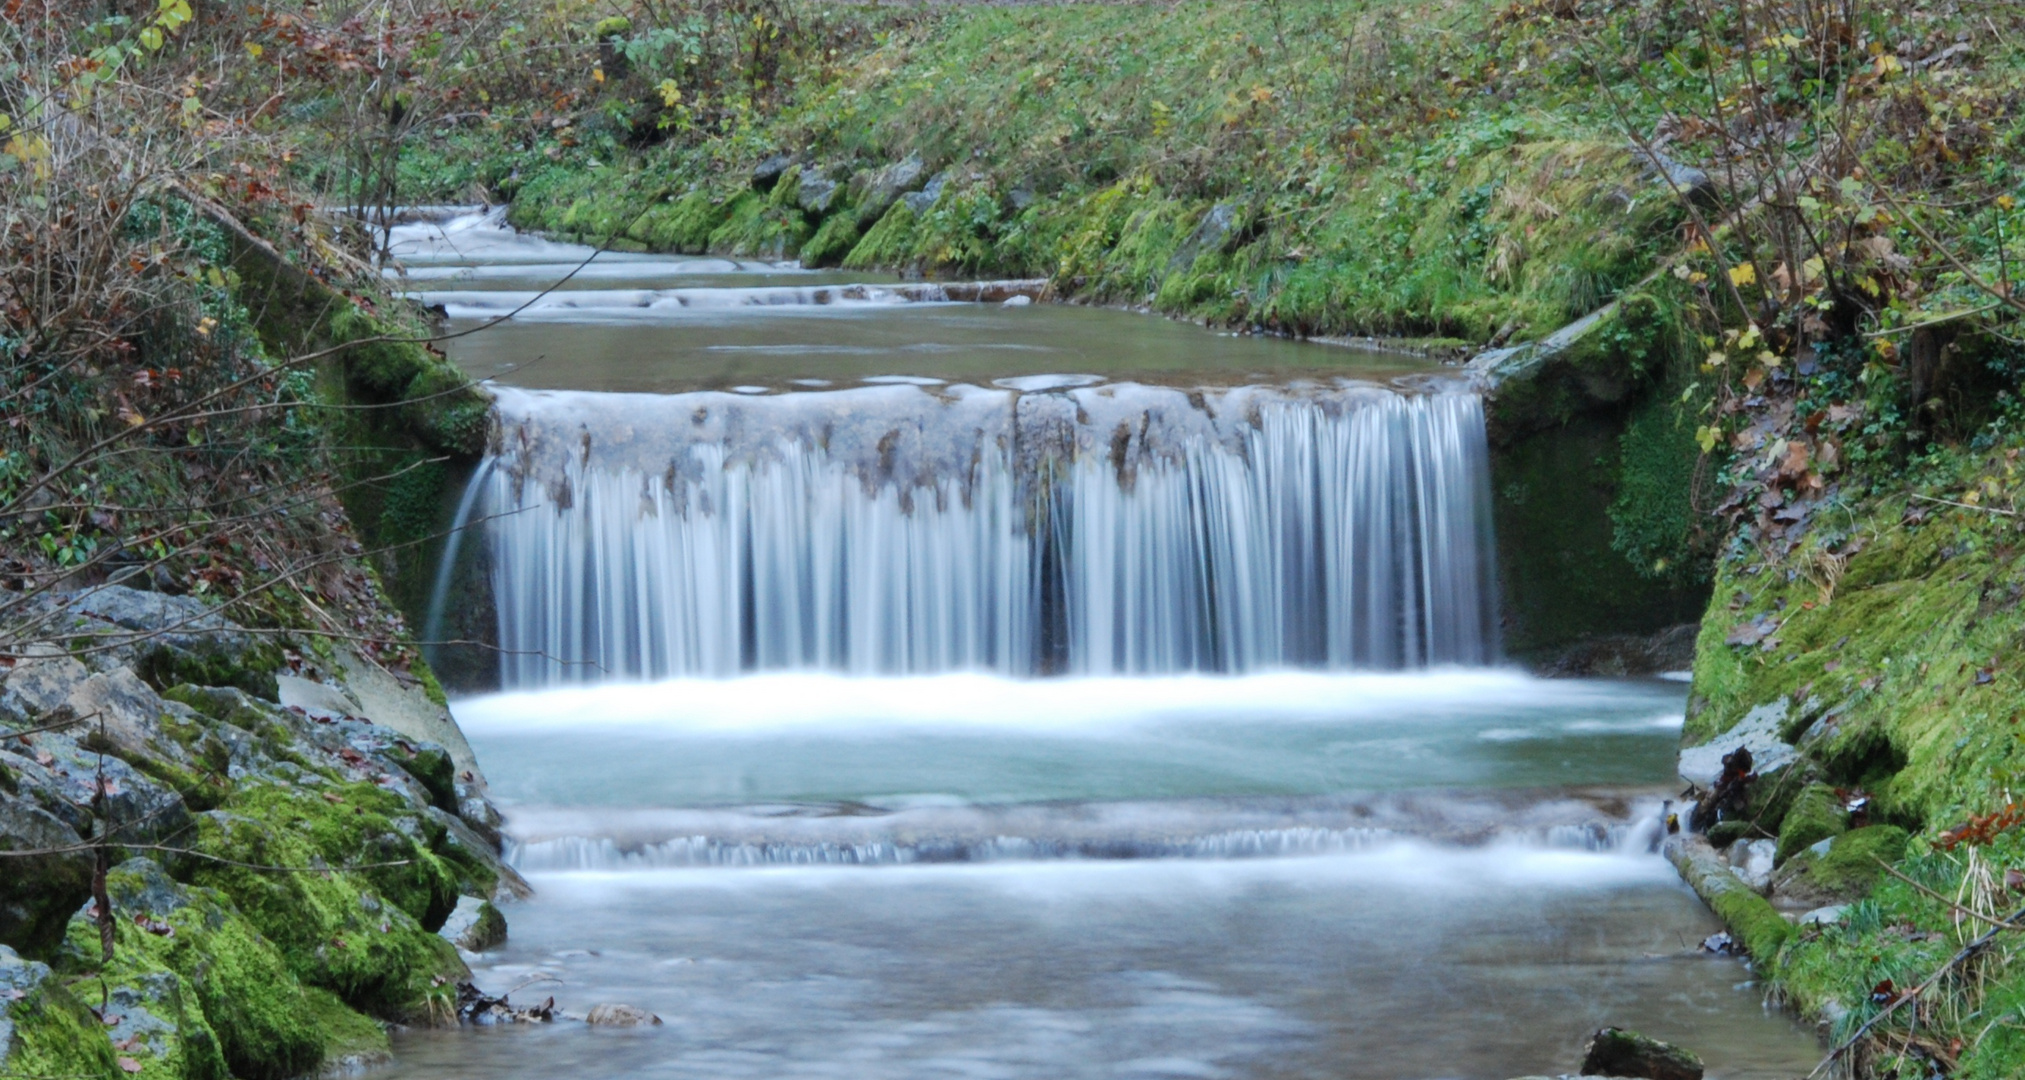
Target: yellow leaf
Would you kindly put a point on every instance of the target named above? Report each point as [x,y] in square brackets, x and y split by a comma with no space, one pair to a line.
[151,38]
[1707,437]
[254,50]
[1717,359]
[670,93]
[598,75]
[2004,202]
[1743,274]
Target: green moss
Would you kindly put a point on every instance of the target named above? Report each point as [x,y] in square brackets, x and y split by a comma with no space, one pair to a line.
[1752,919]
[889,242]
[251,668]
[1655,523]
[833,240]
[249,1000]
[364,934]
[1816,815]
[753,225]
[1855,861]
[57,1038]
[349,1037]
[1561,577]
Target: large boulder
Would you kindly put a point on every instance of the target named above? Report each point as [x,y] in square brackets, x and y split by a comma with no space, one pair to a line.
[232,985]
[816,194]
[165,639]
[87,788]
[38,892]
[879,190]
[1758,732]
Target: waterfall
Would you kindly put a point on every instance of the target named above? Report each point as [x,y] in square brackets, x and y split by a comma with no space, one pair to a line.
[915,529]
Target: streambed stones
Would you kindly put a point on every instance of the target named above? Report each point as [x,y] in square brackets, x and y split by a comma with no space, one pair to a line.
[620,1016]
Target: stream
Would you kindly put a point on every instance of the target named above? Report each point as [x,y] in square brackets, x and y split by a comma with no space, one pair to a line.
[897,688]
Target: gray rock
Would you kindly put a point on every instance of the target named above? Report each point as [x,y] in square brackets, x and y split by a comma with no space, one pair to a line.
[1752,860]
[139,886]
[1211,235]
[127,710]
[882,188]
[1825,916]
[1617,1052]
[818,193]
[39,686]
[155,1018]
[62,778]
[474,925]
[619,1016]
[18,979]
[320,700]
[768,172]
[1017,301]
[478,812]
[922,201]
[1758,731]
[38,893]
[1685,181]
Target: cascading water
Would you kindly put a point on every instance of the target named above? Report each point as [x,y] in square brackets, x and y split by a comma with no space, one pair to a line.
[1211,846]
[906,529]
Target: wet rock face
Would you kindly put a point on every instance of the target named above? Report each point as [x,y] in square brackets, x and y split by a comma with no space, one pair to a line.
[38,893]
[475,925]
[1617,1052]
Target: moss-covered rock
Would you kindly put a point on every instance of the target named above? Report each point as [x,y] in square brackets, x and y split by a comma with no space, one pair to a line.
[44,1030]
[364,934]
[243,991]
[1816,815]
[160,1025]
[1854,862]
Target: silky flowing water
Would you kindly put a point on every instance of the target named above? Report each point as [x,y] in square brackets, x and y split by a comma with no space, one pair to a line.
[900,688]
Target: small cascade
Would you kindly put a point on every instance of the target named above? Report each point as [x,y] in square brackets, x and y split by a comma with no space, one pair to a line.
[905,529]
[577,305]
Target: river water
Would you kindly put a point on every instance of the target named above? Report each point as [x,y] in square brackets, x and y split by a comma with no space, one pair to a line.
[895,688]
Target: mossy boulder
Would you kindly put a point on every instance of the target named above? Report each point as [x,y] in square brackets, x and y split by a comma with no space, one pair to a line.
[234,983]
[1816,815]
[44,1030]
[364,934]
[160,1026]
[1854,862]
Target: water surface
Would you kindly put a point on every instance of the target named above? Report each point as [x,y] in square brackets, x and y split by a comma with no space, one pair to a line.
[1300,871]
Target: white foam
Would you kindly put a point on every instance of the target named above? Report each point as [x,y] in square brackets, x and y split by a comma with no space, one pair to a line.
[836,703]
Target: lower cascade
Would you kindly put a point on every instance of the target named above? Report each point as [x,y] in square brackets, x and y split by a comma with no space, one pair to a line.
[1041,527]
